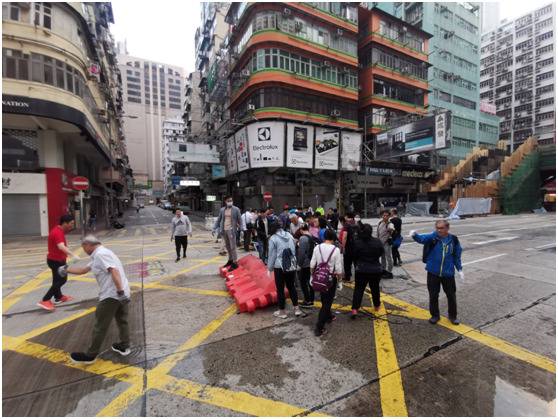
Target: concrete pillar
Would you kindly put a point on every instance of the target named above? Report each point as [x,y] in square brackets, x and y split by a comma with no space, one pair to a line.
[51,150]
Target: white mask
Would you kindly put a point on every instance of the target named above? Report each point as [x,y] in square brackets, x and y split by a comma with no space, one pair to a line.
[357,219]
[229,203]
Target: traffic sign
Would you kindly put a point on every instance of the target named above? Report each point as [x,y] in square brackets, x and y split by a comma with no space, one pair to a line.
[267,196]
[80,183]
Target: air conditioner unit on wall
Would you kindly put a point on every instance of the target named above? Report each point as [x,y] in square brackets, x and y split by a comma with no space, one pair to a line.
[251,107]
[245,73]
[335,113]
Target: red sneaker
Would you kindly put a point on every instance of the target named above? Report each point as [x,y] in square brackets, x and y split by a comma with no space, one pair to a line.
[47,305]
[63,299]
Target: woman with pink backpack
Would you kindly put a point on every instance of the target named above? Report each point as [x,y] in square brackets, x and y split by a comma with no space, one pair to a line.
[327,268]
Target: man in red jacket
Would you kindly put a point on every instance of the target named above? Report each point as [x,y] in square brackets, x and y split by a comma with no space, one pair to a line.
[56,257]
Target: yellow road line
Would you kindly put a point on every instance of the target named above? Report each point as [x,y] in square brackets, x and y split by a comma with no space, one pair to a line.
[237,401]
[491,341]
[156,375]
[40,330]
[392,395]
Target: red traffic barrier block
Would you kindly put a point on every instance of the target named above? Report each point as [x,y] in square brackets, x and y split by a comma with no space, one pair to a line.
[250,285]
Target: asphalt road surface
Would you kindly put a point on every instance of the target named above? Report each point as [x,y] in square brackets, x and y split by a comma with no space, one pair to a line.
[193,355]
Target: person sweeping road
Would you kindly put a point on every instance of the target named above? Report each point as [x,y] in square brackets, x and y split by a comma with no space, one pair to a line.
[114,298]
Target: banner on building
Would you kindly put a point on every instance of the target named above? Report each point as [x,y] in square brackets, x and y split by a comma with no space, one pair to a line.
[231,155]
[326,148]
[266,141]
[427,134]
[351,143]
[241,144]
[217,171]
[487,107]
[300,139]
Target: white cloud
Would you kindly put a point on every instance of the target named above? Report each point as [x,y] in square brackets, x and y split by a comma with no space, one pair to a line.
[160,30]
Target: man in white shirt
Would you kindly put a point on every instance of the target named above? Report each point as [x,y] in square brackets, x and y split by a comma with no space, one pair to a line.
[327,252]
[181,228]
[385,231]
[248,228]
[114,298]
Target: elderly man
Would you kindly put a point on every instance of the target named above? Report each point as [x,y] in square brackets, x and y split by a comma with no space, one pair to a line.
[114,298]
[442,255]
[181,228]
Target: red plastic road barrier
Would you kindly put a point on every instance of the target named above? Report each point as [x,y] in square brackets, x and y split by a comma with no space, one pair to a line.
[250,285]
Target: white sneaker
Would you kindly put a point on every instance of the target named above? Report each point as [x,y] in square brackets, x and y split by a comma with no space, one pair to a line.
[298,312]
[280,315]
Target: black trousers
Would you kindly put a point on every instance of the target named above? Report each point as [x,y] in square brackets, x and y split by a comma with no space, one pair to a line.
[307,290]
[448,284]
[361,281]
[180,242]
[247,239]
[287,279]
[395,255]
[57,280]
[327,300]
[348,266]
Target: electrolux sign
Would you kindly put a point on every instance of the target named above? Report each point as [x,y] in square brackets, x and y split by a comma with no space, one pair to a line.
[266,141]
[427,134]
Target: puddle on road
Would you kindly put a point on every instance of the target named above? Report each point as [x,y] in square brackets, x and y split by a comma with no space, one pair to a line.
[510,400]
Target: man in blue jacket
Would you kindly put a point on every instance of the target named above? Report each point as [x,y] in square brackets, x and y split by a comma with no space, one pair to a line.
[442,255]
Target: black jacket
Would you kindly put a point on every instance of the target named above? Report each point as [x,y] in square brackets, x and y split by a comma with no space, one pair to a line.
[260,229]
[397,223]
[367,254]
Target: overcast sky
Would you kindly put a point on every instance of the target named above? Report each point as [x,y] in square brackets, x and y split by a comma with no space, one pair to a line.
[164,30]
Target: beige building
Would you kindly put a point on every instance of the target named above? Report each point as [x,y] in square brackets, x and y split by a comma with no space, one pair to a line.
[152,92]
[61,109]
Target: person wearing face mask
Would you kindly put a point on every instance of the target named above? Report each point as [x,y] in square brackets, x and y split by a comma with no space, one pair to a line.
[228,224]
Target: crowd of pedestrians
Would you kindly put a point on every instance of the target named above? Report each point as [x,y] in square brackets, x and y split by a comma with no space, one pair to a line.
[321,250]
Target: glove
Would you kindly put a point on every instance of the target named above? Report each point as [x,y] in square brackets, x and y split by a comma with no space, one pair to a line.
[339,286]
[412,233]
[63,271]
[461,275]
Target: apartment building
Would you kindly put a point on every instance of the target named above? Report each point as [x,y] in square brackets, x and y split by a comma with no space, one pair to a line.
[293,101]
[454,72]
[173,133]
[61,115]
[153,91]
[518,74]
[192,115]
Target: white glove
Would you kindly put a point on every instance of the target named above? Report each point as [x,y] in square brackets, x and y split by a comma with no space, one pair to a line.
[339,286]
[63,271]
[461,275]
[412,233]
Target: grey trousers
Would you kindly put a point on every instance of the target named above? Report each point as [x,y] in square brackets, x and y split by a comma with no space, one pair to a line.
[387,257]
[230,243]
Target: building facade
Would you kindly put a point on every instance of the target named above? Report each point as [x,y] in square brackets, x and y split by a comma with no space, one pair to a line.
[192,108]
[293,84]
[152,92]
[172,133]
[61,115]
[454,72]
[518,74]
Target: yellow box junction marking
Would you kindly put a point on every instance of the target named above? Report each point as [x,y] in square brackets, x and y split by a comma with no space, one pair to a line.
[392,395]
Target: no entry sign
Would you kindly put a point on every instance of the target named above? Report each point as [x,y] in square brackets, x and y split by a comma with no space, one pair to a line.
[267,196]
[80,183]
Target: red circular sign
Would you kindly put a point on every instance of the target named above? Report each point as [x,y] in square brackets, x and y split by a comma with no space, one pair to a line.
[267,196]
[80,183]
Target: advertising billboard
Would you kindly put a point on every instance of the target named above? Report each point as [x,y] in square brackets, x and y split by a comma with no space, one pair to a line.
[231,155]
[217,171]
[241,144]
[299,145]
[427,134]
[266,141]
[351,143]
[326,147]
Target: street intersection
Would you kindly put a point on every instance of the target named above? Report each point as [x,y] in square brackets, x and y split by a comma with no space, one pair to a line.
[193,355]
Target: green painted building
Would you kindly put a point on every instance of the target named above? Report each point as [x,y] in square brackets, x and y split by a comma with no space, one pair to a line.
[455,72]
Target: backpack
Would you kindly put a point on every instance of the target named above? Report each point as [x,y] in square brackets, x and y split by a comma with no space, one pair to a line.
[322,275]
[288,260]
[429,246]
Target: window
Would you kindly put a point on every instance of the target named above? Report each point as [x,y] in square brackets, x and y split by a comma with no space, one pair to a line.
[133,86]
[545,76]
[20,150]
[466,123]
[408,67]
[543,11]
[546,48]
[545,89]
[544,63]
[397,92]
[544,116]
[491,129]
[545,102]
[133,79]
[11,11]
[544,36]
[133,93]
[43,15]
[173,106]
[182,147]
[464,102]
[544,23]
[446,97]
[135,100]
